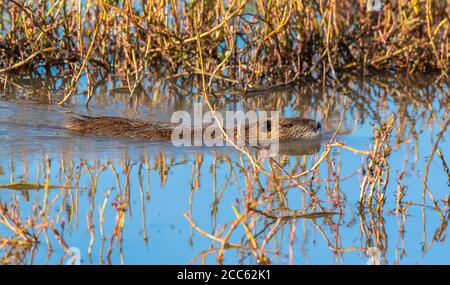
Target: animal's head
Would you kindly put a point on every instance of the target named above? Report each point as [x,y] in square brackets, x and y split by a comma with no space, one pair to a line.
[294,129]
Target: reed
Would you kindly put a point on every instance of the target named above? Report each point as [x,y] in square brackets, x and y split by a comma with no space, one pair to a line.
[245,44]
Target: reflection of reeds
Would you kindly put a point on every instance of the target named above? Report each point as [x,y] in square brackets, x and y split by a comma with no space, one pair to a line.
[263,213]
[376,169]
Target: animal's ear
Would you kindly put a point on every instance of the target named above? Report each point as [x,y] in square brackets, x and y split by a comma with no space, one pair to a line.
[288,125]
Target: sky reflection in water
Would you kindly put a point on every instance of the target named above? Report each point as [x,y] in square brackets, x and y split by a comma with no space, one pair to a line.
[161,181]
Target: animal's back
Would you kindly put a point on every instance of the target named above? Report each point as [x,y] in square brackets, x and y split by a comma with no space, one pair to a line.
[113,126]
[289,128]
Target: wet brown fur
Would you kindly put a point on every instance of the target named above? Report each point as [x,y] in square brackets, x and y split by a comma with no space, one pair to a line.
[289,128]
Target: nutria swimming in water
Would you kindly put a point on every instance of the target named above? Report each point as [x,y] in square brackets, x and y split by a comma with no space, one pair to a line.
[289,128]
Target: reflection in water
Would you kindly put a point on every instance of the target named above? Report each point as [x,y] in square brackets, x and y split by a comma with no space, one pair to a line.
[374,193]
[300,147]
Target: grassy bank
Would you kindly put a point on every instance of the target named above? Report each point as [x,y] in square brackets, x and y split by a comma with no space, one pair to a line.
[244,44]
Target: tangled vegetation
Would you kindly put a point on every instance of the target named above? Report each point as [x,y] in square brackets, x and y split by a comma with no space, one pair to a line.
[175,51]
[244,44]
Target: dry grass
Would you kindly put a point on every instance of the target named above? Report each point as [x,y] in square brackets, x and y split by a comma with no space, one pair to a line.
[244,44]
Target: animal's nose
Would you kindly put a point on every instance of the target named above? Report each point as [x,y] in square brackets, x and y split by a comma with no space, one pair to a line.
[318,126]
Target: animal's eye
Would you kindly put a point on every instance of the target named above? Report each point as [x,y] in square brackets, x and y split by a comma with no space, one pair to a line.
[269,125]
[288,125]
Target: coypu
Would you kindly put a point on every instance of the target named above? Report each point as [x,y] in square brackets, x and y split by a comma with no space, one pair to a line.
[289,128]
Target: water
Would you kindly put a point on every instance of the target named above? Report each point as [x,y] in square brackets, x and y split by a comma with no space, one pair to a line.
[123,201]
